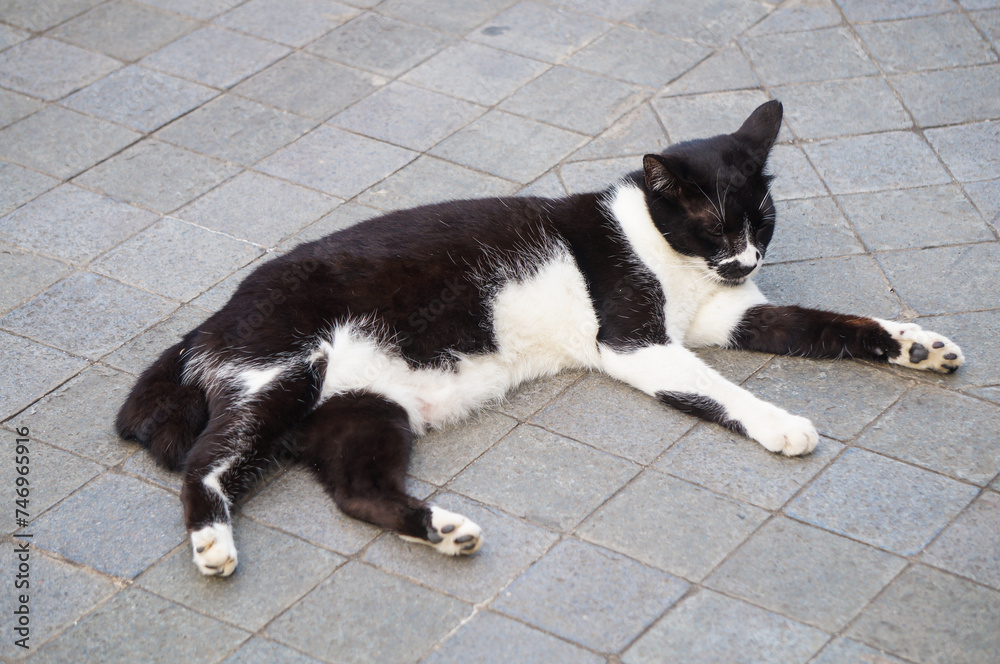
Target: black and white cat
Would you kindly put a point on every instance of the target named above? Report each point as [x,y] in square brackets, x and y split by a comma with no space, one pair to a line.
[359,342]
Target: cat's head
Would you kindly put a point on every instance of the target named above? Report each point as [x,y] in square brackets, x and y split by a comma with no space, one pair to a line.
[710,198]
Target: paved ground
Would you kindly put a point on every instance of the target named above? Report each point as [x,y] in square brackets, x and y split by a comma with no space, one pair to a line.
[152,153]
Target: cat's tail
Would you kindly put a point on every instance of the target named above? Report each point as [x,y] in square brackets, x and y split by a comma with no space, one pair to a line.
[162,413]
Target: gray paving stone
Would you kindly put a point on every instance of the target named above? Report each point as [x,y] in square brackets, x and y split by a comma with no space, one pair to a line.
[236,130]
[796,570]
[60,594]
[80,415]
[20,186]
[616,10]
[553,97]
[801,57]
[582,176]
[547,186]
[840,396]
[216,57]
[275,571]
[308,85]
[639,57]
[811,228]
[123,30]
[510,546]
[140,98]
[440,455]
[11,36]
[336,162]
[881,10]
[142,351]
[591,596]
[15,106]
[978,334]
[431,180]
[539,31]
[343,217]
[489,637]
[527,399]
[986,196]
[637,133]
[509,146]
[291,22]
[445,15]
[734,365]
[54,474]
[25,275]
[727,69]
[31,371]
[950,96]
[408,116]
[701,116]
[708,627]
[123,313]
[861,287]
[629,423]
[200,9]
[146,521]
[989,23]
[162,259]
[741,468]
[73,224]
[544,478]
[919,277]
[835,108]
[968,546]
[144,466]
[297,504]
[881,502]
[363,615]
[136,625]
[39,15]
[799,16]
[959,148]
[157,175]
[934,42]
[929,427]
[258,208]
[50,69]
[845,651]
[876,162]
[61,142]
[794,176]
[216,297]
[681,528]
[474,72]
[262,651]
[914,218]
[713,23]
[379,44]
[931,616]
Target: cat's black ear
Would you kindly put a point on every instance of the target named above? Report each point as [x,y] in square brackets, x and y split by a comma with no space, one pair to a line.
[663,175]
[761,129]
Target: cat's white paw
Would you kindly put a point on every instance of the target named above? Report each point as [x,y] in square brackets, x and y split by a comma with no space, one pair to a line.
[214,549]
[782,432]
[922,349]
[451,534]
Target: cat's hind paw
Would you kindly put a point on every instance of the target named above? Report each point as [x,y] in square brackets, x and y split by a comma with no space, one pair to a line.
[451,534]
[782,432]
[922,349]
[214,549]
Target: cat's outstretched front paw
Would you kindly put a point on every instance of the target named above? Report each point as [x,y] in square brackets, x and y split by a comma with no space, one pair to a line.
[214,549]
[451,534]
[782,432]
[922,349]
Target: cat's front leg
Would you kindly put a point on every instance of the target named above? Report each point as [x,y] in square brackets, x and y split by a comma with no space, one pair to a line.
[793,330]
[677,377]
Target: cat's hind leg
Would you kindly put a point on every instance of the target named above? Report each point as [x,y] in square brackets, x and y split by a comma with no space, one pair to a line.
[359,446]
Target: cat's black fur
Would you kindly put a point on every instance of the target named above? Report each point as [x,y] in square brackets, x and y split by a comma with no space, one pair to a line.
[425,287]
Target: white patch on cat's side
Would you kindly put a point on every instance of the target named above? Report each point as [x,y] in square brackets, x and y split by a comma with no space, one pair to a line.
[254,380]
[542,325]
[455,535]
[922,349]
[214,549]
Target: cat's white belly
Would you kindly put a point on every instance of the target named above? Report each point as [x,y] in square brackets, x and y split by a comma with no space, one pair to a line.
[542,325]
